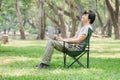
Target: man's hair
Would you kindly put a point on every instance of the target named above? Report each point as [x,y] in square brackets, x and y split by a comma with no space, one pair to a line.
[91,15]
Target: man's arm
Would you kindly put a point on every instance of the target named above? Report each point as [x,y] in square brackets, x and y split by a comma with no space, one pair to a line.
[74,40]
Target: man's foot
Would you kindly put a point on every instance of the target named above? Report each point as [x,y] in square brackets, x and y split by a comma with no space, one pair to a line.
[42,66]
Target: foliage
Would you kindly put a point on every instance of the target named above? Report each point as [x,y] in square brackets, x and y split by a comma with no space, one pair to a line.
[29,9]
[8,13]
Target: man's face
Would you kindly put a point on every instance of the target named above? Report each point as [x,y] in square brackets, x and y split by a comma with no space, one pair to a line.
[84,18]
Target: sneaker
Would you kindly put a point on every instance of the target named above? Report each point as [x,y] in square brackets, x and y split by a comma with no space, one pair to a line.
[42,66]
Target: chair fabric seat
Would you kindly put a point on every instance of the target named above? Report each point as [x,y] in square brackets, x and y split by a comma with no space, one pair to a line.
[74,53]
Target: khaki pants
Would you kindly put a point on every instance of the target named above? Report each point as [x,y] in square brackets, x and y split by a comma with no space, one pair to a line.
[57,45]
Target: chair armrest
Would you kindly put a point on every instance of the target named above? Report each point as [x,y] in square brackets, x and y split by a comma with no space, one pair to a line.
[64,50]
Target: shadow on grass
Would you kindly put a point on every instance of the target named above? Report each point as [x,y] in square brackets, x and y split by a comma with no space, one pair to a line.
[101,63]
[25,70]
[29,51]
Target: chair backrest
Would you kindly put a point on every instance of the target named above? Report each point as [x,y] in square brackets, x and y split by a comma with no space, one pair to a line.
[76,53]
[88,37]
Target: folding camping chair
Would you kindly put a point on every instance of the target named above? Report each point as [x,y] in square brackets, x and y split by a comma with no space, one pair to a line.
[76,55]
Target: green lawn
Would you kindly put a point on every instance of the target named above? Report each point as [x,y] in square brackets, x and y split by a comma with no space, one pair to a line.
[18,59]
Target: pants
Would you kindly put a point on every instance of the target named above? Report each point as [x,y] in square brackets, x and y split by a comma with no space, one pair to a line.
[58,45]
[49,50]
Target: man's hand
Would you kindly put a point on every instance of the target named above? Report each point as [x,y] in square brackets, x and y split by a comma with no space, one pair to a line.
[58,38]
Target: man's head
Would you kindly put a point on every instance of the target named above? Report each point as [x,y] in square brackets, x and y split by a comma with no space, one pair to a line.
[88,16]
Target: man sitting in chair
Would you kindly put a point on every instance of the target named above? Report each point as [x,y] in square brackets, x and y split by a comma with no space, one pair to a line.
[87,19]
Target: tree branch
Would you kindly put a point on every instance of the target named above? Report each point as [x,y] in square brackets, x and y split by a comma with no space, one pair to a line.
[52,19]
[51,5]
[117,7]
[110,5]
[66,12]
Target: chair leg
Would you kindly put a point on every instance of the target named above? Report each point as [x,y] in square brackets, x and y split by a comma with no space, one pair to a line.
[76,60]
[64,60]
[71,64]
[87,59]
[80,63]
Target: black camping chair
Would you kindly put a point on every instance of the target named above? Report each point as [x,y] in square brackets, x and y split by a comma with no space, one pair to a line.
[76,55]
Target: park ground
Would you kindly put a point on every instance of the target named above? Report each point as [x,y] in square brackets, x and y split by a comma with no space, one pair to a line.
[19,57]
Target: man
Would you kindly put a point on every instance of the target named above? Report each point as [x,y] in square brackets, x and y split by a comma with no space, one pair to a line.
[88,18]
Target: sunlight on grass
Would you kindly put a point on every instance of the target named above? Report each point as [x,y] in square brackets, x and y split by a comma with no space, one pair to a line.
[105,55]
[18,59]
[24,71]
[8,60]
[22,43]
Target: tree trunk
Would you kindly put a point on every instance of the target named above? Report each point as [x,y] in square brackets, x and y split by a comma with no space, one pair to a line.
[107,25]
[5,30]
[100,21]
[62,26]
[109,29]
[43,27]
[41,21]
[72,9]
[114,10]
[104,28]
[22,34]
[62,22]
[0,4]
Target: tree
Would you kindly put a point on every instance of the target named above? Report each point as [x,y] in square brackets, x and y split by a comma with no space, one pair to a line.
[41,20]
[114,13]
[73,17]
[107,27]
[0,4]
[18,13]
[60,12]
[62,22]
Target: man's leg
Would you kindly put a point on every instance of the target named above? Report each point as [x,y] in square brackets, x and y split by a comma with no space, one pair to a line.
[49,50]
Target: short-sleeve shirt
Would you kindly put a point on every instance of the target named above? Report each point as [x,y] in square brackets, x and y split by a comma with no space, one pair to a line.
[83,30]
[80,32]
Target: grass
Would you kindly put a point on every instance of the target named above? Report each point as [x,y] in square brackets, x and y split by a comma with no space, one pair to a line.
[18,59]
